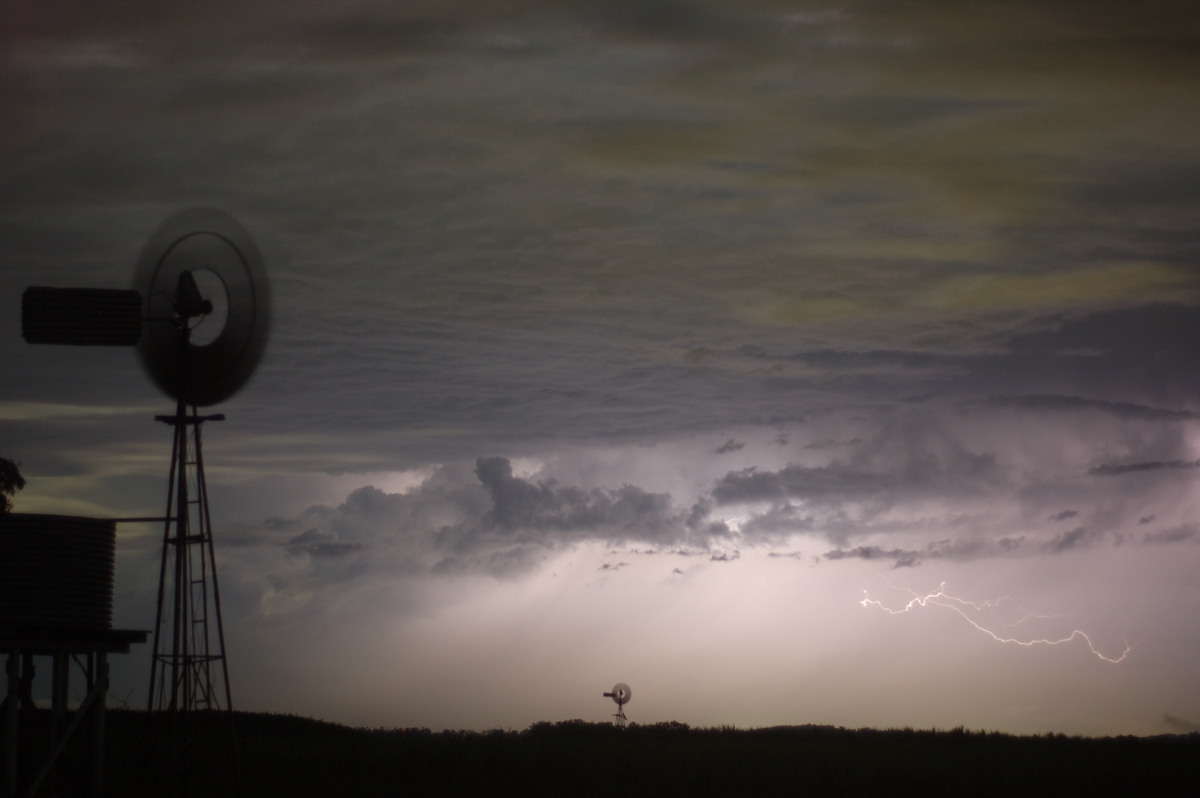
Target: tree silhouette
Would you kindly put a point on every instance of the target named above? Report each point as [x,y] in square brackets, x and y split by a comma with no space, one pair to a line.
[11,481]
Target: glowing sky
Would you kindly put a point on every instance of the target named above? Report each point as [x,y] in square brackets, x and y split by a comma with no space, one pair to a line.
[642,342]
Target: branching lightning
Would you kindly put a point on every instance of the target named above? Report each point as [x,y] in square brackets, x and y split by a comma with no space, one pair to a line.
[971,610]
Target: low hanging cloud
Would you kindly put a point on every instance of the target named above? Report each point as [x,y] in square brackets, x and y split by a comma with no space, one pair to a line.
[321,544]
[798,481]
[1079,537]
[930,484]
[953,550]
[917,487]
[899,557]
[1177,534]
[779,520]
[1115,470]
[827,443]
[520,505]
[464,520]
[910,457]
[1072,404]
[913,477]
[1180,725]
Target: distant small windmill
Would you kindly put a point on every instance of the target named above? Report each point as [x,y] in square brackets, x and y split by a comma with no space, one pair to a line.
[620,695]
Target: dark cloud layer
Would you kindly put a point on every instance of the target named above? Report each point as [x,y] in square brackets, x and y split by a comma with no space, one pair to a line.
[635,248]
[1070,362]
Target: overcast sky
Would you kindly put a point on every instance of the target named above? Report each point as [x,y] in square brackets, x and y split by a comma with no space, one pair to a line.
[685,344]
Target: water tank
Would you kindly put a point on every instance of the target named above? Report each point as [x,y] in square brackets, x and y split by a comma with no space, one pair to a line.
[56,571]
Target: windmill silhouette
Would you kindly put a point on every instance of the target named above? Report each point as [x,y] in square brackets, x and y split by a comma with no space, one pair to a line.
[620,694]
[206,317]
[199,315]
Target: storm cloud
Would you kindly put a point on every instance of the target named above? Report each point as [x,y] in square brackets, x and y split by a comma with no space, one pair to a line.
[520,505]
[464,520]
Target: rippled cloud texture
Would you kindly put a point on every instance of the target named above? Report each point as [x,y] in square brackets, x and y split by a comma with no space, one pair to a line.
[640,342]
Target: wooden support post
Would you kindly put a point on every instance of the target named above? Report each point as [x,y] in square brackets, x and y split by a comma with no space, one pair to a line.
[100,685]
[12,701]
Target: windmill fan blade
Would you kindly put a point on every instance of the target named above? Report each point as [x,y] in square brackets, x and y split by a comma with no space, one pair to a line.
[187,243]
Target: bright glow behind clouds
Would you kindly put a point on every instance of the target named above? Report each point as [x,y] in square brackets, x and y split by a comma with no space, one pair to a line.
[635,343]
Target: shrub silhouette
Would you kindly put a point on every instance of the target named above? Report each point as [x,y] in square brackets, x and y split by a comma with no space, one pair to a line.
[297,757]
[11,481]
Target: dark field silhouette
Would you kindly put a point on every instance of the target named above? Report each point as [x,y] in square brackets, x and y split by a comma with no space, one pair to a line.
[289,756]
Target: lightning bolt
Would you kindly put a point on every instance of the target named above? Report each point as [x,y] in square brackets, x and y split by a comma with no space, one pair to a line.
[968,610]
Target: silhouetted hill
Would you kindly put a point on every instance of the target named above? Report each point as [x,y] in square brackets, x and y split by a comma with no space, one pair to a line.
[284,755]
